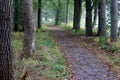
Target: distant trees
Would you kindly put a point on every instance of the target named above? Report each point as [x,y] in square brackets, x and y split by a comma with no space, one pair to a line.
[57,16]
[95,12]
[39,13]
[98,6]
[6,54]
[54,10]
[29,29]
[88,23]
[67,11]
[77,14]
[18,15]
[114,20]
[92,10]
[102,19]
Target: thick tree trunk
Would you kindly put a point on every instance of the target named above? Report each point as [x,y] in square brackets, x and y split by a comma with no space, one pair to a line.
[102,19]
[67,12]
[29,29]
[57,17]
[88,18]
[6,55]
[77,14]
[39,13]
[114,20]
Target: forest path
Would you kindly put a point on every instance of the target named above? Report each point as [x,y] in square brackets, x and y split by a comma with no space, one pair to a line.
[83,64]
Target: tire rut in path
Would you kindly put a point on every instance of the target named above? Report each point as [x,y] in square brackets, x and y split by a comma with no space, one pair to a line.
[83,63]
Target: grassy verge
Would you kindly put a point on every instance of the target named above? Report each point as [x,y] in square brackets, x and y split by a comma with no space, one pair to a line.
[46,63]
[109,52]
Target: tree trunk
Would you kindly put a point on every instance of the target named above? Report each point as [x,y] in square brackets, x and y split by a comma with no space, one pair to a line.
[39,13]
[67,12]
[88,18]
[114,20]
[77,14]
[15,27]
[15,15]
[57,17]
[18,15]
[6,55]
[102,19]
[29,29]
[95,13]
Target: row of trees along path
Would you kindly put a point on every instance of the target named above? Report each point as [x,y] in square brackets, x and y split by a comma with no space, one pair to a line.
[83,64]
[6,26]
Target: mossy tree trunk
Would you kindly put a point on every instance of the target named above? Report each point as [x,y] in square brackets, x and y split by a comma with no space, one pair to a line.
[29,29]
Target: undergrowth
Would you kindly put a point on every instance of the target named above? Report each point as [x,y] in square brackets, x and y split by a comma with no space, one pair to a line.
[46,63]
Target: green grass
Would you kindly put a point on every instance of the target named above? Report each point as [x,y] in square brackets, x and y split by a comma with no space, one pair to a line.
[46,63]
[66,27]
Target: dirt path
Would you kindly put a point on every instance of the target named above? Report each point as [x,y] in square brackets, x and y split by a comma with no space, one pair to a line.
[85,65]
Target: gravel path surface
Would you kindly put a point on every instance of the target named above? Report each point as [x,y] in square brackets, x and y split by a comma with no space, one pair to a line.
[85,65]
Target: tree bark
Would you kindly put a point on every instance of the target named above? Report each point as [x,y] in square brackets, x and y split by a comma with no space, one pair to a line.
[57,17]
[6,25]
[102,19]
[88,18]
[39,13]
[77,14]
[29,29]
[114,20]
[67,12]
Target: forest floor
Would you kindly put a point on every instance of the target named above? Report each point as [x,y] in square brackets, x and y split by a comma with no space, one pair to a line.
[83,63]
[47,62]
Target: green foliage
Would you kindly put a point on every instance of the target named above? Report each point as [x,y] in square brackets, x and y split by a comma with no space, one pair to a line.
[58,67]
[80,32]
[35,5]
[70,27]
[66,27]
[46,62]
[16,63]
[103,40]
[107,46]
[18,14]
[112,48]
[17,42]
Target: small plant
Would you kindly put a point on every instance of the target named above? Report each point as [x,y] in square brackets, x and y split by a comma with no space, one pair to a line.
[112,48]
[103,40]
[80,32]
